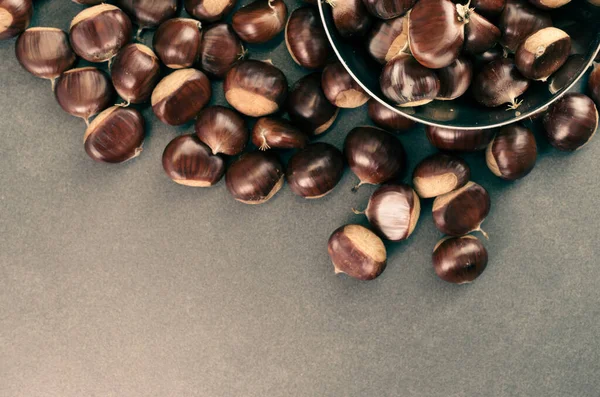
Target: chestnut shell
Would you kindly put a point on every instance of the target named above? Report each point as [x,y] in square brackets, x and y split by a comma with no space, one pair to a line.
[220,49]
[222,129]
[260,21]
[209,10]
[455,79]
[44,52]
[340,88]
[499,82]
[388,9]
[177,42]
[19,13]
[393,211]
[439,174]
[459,140]
[255,177]
[306,39]
[408,83]
[512,153]
[351,18]
[518,20]
[149,13]
[459,260]
[594,84]
[543,53]
[277,133]
[571,122]
[135,72]
[387,39]
[388,119]
[308,107]
[461,211]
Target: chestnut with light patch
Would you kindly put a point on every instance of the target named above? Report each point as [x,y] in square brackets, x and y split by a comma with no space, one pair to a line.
[439,174]
[15,16]
[543,53]
[189,162]
[388,39]
[513,152]
[340,88]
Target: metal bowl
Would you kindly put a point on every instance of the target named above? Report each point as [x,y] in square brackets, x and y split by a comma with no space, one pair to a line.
[577,18]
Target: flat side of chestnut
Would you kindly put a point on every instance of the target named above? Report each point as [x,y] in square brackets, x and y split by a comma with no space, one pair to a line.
[439,174]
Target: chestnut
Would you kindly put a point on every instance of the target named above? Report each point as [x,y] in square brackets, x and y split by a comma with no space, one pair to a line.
[255,88]
[455,79]
[388,38]
[549,4]
[115,136]
[439,174]
[220,49]
[488,8]
[340,88]
[571,122]
[314,171]
[518,20]
[260,21]
[462,211]
[456,140]
[459,260]
[408,83]
[512,153]
[350,18]
[567,72]
[149,14]
[543,53]
[357,252]
[305,38]
[177,42]
[255,177]
[386,118]
[98,33]
[388,9]
[45,52]
[222,129]
[84,92]
[493,54]
[135,72]
[89,2]
[188,161]
[480,34]
[594,84]
[308,106]
[180,96]
[499,82]
[209,10]
[277,133]
[15,16]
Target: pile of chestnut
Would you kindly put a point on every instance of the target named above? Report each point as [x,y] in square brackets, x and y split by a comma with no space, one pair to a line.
[421,64]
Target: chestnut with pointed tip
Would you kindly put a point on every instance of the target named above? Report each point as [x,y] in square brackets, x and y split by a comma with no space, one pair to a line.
[571,122]
[350,17]
[220,49]
[388,9]
[518,20]
[255,177]
[188,161]
[149,14]
[180,96]
[308,107]
[462,211]
[594,84]
[388,38]
[209,10]
[116,135]
[543,53]
[135,72]
[439,174]
[340,88]
[499,83]
[455,79]
[480,34]
[177,42]
[305,38]
[15,16]
[512,153]
[388,119]
[222,129]
[456,140]
[260,21]
[408,83]
[567,72]
[459,260]
[488,8]
[549,4]
[277,133]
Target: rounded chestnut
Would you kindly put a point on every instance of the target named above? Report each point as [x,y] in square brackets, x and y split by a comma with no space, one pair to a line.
[408,83]
[388,9]
[571,122]
[84,92]
[489,8]
[549,4]
[567,72]
[512,153]
[455,79]
[314,171]
[260,21]
[98,33]
[340,88]
[439,174]
[594,84]
[209,10]
[462,211]
[149,14]
[135,72]
[357,252]
[305,38]
[543,53]
[220,49]
[255,177]
[277,133]
[15,16]
[388,38]
[350,18]
[480,34]
[459,140]
[222,129]
[180,96]
[493,54]
[498,83]
[386,118]
[308,107]
[459,260]
[518,20]
[187,161]
[177,42]
[115,136]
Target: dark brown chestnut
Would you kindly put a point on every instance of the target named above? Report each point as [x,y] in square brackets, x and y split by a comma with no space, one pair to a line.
[388,9]
[177,42]
[388,38]
[488,8]
[350,17]
[149,14]
[594,2]
[498,83]
[455,79]
[180,96]
[455,140]
[594,84]
[340,88]
[408,83]
[512,153]
[462,211]
[222,129]
[567,72]
[549,4]
[308,106]
[255,88]
[543,53]
[493,54]
[518,20]
[374,155]
[277,133]
[209,10]
[135,72]
[255,177]
[480,34]
[220,49]
[388,119]
[45,52]
[305,38]
[84,92]
[15,16]
[89,2]
[115,136]
[358,252]
[459,260]
[98,33]
[439,174]
[314,171]
[187,161]
[260,21]
[571,122]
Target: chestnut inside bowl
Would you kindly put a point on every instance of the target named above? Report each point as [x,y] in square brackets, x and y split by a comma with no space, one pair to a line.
[578,18]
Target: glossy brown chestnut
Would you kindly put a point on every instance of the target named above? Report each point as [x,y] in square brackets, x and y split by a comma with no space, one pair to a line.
[135,72]
[518,20]
[45,52]
[571,122]
[115,136]
[462,211]
[255,88]
[498,83]
[350,17]
[357,252]
[439,174]
[255,177]
[388,38]
[222,129]
[594,84]
[565,75]
[408,83]
[305,38]
[459,140]
[388,9]
[340,88]
[490,55]
[98,33]
[220,49]
[149,14]
[308,107]
[455,79]
[180,96]
[189,162]
[543,53]
[488,8]
[374,155]
[15,16]
[84,92]
[480,34]
[209,10]
[177,42]
[459,260]
[549,4]
[277,133]
[512,153]
[260,21]
[89,2]
[388,119]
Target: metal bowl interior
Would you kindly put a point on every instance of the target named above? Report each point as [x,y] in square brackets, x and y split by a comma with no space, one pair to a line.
[578,18]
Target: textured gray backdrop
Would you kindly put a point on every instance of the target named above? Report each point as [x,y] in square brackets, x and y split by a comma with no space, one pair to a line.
[114,281]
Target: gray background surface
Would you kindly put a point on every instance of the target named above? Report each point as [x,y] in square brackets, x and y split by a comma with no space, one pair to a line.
[115,281]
